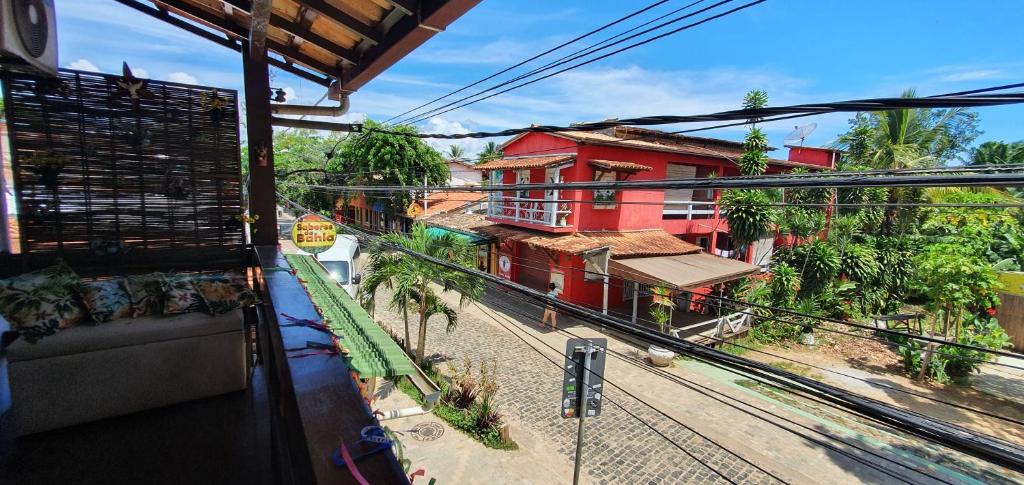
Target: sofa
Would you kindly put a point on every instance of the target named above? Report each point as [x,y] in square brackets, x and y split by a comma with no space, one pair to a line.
[86,373]
[98,348]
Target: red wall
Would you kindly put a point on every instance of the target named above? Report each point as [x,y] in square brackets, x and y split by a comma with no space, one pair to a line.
[822,157]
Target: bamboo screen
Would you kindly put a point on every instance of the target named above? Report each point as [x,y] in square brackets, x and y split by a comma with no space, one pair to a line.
[114,174]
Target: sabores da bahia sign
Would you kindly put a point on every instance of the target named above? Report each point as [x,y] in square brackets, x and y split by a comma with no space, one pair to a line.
[314,234]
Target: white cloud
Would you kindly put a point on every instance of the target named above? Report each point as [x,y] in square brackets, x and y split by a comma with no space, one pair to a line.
[84,65]
[972,75]
[472,146]
[139,72]
[182,77]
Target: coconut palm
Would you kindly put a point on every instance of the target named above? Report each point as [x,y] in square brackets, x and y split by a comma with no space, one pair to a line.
[997,153]
[409,277]
[455,152]
[907,138]
[491,151]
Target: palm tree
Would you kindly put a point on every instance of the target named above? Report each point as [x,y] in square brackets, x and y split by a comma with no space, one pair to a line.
[455,152]
[997,153]
[907,138]
[490,152]
[409,277]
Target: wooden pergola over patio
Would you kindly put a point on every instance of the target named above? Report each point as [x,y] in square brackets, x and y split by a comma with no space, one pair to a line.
[340,44]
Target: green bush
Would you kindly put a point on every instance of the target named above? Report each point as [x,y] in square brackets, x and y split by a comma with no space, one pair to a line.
[954,364]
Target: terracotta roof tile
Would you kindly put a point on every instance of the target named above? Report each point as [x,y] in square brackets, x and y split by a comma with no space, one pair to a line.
[521,163]
[655,242]
[441,202]
[619,166]
[459,222]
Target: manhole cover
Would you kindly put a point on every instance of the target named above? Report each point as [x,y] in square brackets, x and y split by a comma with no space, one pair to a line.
[427,431]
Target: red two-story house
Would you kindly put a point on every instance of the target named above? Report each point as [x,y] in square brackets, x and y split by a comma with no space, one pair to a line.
[605,248]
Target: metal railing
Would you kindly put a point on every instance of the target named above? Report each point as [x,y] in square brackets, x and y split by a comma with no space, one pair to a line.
[529,210]
[689,208]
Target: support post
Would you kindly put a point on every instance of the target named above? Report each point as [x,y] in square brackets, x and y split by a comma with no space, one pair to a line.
[262,195]
[604,294]
[636,296]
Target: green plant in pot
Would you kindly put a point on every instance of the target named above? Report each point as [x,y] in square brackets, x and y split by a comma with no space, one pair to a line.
[661,313]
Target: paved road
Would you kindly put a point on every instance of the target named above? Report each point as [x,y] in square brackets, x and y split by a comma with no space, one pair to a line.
[773,436]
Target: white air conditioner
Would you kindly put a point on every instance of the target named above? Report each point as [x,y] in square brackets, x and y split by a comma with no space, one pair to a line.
[28,35]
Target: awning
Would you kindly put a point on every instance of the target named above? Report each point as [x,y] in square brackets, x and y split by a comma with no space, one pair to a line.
[619,166]
[470,238]
[683,271]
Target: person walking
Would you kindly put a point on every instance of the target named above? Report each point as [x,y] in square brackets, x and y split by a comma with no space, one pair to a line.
[549,310]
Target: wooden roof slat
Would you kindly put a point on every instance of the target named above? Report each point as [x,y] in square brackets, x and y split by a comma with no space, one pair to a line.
[324,27]
[284,18]
[367,11]
[344,19]
[191,10]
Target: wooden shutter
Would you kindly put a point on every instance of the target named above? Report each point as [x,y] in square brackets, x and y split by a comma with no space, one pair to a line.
[677,171]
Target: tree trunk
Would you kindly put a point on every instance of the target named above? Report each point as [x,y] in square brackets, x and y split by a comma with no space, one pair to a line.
[408,340]
[422,341]
[889,220]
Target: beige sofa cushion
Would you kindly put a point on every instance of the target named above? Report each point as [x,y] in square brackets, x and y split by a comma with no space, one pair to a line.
[125,332]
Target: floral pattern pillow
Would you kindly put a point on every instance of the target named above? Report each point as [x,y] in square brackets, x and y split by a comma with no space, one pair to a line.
[147,294]
[224,292]
[106,300]
[181,296]
[42,302]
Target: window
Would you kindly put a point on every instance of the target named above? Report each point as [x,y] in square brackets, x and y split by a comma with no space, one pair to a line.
[704,242]
[338,270]
[604,198]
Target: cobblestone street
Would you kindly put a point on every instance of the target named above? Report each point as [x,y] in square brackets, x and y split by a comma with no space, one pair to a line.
[619,447]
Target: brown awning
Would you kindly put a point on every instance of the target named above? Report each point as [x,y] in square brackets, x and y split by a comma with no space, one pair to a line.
[618,166]
[524,163]
[683,271]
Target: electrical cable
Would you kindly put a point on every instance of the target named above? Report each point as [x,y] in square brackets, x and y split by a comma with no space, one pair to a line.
[617,51]
[746,114]
[571,57]
[704,392]
[992,449]
[542,54]
[645,423]
[876,384]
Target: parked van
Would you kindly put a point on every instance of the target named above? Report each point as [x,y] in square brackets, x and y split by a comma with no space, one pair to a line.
[340,261]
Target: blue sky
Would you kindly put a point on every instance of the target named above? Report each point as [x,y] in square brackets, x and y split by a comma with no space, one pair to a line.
[797,50]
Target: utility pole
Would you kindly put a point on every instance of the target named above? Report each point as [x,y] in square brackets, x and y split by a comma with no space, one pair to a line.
[581,388]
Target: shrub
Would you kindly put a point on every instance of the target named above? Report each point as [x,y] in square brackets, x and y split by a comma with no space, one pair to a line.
[818,263]
[859,263]
[463,390]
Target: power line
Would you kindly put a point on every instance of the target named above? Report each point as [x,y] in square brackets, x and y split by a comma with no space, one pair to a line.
[826,369]
[851,106]
[992,449]
[571,57]
[643,421]
[617,51]
[704,391]
[542,54]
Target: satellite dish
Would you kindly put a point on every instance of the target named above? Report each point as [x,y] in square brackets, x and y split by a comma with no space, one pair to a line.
[799,133]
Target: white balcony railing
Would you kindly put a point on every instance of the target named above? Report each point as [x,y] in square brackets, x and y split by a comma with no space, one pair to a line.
[529,210]
[688,208]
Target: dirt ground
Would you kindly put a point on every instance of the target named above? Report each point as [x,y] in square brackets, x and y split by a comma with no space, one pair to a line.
[871,368]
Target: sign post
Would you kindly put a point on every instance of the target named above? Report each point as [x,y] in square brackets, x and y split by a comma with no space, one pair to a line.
[582,386]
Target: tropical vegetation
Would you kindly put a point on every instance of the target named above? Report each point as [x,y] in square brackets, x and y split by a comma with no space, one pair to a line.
[409,278]
[877,251]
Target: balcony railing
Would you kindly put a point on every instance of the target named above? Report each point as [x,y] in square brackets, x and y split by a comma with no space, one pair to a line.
[688,209]
[528,210]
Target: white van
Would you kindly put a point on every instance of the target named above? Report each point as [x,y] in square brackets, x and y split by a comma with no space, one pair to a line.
[340,262]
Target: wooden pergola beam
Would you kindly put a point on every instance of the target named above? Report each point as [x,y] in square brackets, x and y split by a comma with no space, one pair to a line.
[226,41]
[301,29]
[347,21]
[406,35]
[243,33]
[407,6]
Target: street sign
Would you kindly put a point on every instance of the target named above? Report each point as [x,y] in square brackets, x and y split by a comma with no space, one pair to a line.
[582,394]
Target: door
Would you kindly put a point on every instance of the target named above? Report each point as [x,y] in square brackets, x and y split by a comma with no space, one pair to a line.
[533,268]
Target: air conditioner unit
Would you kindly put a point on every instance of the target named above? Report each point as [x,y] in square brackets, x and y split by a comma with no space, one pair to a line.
[28,35]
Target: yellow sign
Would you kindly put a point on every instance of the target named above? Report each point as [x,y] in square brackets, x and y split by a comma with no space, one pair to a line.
[414,210]
[314,234]
[1013,282]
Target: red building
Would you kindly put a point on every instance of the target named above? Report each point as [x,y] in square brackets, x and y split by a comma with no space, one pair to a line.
[665,238]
